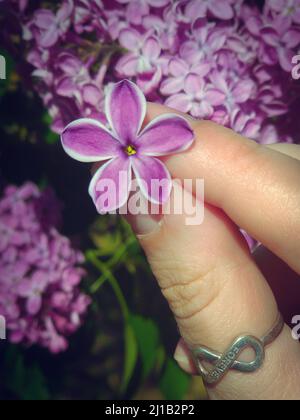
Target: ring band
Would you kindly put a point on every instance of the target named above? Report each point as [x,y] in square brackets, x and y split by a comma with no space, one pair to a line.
[222,363]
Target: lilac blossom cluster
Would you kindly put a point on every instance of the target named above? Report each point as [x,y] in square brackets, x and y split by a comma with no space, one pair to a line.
[215,59]
[40,272]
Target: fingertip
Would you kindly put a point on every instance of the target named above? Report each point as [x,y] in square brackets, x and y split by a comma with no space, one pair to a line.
[155,110]
[184,358]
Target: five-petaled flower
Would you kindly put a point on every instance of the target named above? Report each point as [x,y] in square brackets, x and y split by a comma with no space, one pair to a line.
[126,148]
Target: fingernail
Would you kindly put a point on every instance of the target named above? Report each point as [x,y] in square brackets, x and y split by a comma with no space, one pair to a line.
[180,354]
[144,224]
[183,357]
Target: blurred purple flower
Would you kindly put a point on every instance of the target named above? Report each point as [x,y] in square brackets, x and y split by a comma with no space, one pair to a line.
[179,70]
[287,8]
[280,40]
[48,27]
[37,263]
[198,98]
[221,9]
[163,45]
[137,9]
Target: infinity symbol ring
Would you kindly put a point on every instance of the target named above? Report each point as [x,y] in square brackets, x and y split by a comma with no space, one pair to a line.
[222,363]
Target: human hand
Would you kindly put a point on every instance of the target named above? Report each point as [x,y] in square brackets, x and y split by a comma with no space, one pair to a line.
[215,287]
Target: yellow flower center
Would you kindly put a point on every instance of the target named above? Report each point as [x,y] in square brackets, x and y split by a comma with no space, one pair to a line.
[130,150]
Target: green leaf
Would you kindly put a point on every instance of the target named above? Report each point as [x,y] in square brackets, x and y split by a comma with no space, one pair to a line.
[50,136]
[147,335]
[36,389]
[27,383]
[131,356]
[14,372]
[174,383]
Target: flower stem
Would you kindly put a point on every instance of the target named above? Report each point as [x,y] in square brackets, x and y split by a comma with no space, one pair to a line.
[112,280]
[116,259]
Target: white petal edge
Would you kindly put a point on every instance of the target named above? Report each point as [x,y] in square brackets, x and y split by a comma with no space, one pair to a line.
[161,118]
[97,175]
[142,184]
[78,156]
[107,110]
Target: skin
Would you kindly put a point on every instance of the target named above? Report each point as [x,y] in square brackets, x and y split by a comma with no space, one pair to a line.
[216,289]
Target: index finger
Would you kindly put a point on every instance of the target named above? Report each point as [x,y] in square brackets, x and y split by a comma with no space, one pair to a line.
[257,187]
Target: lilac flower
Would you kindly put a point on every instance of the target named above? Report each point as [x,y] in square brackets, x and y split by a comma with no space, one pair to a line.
[75,81]
[179,71]
[230,94]
[246,45]
[74,75]
[280,40]
[142,59]
[48,27]
[32,289]
[286,8]
[221,9]
[205,41]
[126,148]
[198,98]
[136,9]
[36,265]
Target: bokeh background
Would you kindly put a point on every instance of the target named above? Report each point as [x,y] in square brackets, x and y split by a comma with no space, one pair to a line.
[85,317]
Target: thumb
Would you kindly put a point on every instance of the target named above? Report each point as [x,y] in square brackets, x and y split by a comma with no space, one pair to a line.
[213,287]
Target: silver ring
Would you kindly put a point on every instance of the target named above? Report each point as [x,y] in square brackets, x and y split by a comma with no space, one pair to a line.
[222,363]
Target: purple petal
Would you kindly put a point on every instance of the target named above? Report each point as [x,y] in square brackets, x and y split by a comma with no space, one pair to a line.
[91,94]
[70,64]
[243,91]
[276,5]
[87,140]
[65,11]
[189,50]
[270,36]
[44,18]
[291,38]
[172,85]
[254,24]
[158,3]
[130,39]
[127,65]
[166,134]
[196,9]
[285,58]
[282,24]
[34,304]
[66,87]
[180,101]
[193,84]
[296,15]
[150,82]
[110,185]
[24,288]
[215,97]
[151,48]
[50,37]
[221,9]
[178,67]
[201,69]
[153,179]
[219,81]
[204,110]
[136,10]
[125,107]
[274,108]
